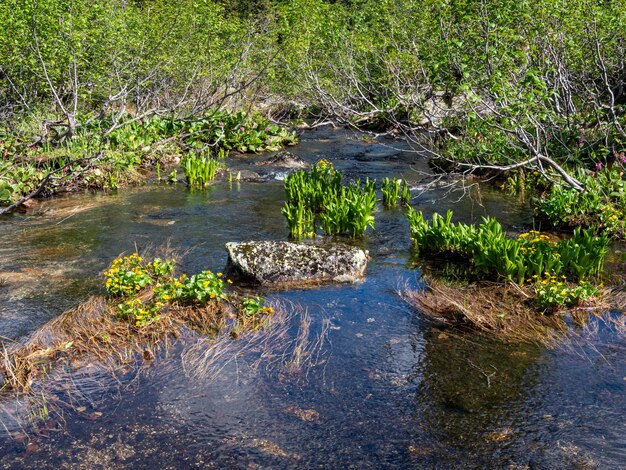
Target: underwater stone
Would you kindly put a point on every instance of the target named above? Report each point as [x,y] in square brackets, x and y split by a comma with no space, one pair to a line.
[285,160]
[289,263]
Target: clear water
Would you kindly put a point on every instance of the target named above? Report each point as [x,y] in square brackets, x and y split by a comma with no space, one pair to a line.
[393,391]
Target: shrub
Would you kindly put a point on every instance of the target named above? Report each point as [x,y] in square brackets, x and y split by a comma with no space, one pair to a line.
[600,206]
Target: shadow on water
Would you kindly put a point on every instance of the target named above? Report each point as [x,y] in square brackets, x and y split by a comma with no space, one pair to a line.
[392,391]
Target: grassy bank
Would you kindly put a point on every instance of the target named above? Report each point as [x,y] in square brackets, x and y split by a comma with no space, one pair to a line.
[105,155]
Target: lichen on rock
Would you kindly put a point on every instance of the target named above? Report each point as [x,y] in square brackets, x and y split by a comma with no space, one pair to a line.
[289,263]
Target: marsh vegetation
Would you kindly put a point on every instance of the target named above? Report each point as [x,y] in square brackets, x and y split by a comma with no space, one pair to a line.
[522,103]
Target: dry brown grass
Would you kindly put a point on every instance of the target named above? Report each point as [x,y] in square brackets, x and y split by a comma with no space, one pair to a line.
[91,332]
[503,310]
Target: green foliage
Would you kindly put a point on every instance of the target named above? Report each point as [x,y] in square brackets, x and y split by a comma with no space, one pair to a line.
[319,195]
[553,293]
[254,306]
[131,275]
[492,253]
[601,205]
[391,191]
[18,180]
[441,235]
[203,287]
[127,276]
[134,144]
[405,194]
[199,288]
[138,312]
[300,220]
[200,171]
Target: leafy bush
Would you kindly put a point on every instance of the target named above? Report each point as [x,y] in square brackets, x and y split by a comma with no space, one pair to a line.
[135,143]
[602,205]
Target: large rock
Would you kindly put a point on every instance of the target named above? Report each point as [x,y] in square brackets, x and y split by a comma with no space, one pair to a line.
[288,263]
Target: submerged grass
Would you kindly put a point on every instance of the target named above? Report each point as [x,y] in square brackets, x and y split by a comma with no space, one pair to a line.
[508,312]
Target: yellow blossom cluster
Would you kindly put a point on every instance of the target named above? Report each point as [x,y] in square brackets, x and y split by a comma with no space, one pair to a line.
[325,164]
[127,276]
[535,236]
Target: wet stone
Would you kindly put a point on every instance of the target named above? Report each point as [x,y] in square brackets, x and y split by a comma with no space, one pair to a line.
[285,160]
[281,263]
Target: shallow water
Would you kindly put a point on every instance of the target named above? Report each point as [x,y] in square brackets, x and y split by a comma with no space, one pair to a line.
[391,390]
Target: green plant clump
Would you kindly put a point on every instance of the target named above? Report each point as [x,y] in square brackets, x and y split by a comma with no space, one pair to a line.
[130,276]
[318,196]
[492,253]
[391,191]
[552,292]
[253,306]
[601,205]
[200,171]
[95,158]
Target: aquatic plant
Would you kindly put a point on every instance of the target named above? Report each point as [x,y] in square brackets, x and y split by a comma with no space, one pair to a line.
[310,187]
[200,171]
[405,194]
[553,292]
[602,205]
[253,306]
[440,235]
[492,252]
[203,287]
[318,195]
[508,311]
[95,159]
[137,311]
[391,191]
[127,276]
[349,211]
[300,220]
